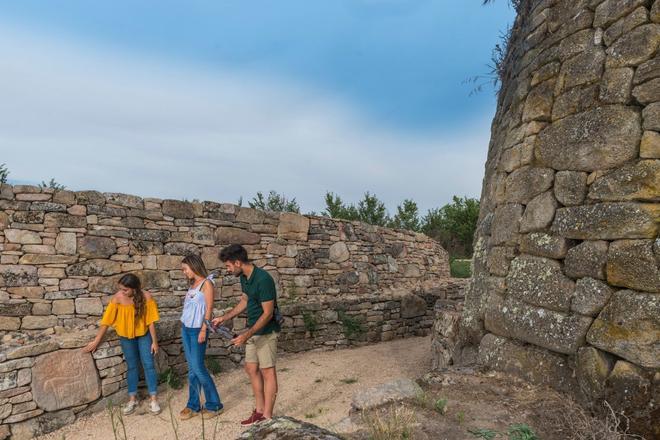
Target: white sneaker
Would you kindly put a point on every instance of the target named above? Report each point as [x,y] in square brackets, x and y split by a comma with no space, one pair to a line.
[154,407]
[130,407]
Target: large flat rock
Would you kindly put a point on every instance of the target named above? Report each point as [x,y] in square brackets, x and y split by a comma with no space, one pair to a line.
[396,390]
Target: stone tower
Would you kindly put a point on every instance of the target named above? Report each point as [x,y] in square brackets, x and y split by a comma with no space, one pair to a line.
[566,287]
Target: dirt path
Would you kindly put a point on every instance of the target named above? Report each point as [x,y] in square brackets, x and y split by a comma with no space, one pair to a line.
[314,386]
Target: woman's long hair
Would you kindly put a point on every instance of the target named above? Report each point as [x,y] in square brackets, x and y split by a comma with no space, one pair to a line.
[196,264]
[133,282]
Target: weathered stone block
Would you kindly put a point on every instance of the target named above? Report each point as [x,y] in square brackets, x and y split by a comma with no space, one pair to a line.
[538,105]
[9,323]
[96,247]
[625,25]
[527,182]
[22,236]
[169,262]
[610,10]
[89,306]
[499,259]
[544,245]
[616,85]
[506,224]
[178,209]
[538,366]
[17,275]
[632,264]
[590,297]
[339,252]
[649,148]
[64,379]
[38,322]
[546,328]
[63,307]
[33,292]
[584,68]
[597,139]
[627,387]
[413,306]
[180,248]
[647,71]
[635,47]
[629,326]
[62,220]
[229,235]
[293,226]
[539,281]
[592,369]
[250,215]
[607,221]
[586,260]
[92,268]
[570,187]
[47,259]
[575,100]
[651,116]
[647,92]
[539,212]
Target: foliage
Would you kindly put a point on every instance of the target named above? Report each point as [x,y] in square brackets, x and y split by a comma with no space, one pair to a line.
[273,202]
[213,366]
[171,378]
[369,210]
[487,434]
[4,173]
[52,183]
[521,431]
[460,268]
[352,327]
[454,225]
[397,423]
[407,216]
[311,325]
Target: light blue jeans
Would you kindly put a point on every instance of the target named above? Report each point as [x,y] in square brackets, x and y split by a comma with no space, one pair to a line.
[198,376]
[138,350]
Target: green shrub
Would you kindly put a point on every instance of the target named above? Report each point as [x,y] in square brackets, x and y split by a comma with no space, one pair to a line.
[213,366]
[171,378]
[311,325]
[460,268]
[352,326]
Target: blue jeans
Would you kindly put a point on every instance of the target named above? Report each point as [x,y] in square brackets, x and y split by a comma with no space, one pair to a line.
[136,350]
[198,376]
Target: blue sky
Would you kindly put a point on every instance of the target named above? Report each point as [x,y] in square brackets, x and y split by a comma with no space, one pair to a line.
[217,99]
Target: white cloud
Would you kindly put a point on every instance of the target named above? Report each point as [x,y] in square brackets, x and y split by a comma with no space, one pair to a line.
[94,118]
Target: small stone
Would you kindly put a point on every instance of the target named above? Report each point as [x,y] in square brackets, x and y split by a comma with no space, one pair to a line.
[632,264]
[539,212]
[628,327]
[586,260]
[590,297]
[650,145]
[393,391]
[570,187]
[339,252]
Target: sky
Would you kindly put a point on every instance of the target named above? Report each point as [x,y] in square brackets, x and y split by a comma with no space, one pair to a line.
[214,100]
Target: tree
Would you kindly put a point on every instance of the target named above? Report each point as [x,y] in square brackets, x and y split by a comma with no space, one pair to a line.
[274,202]
[4,173]
[369,210]
[52,184]
[407,216]
[454,225]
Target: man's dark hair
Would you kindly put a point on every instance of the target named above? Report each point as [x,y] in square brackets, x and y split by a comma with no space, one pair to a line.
[234,252]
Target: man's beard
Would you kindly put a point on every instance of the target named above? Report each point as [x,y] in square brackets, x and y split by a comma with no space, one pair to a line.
[238,272]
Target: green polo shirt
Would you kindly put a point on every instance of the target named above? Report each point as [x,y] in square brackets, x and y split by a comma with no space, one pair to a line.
[260,287]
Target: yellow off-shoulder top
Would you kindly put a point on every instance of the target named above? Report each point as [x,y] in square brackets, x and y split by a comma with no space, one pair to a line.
[122,318]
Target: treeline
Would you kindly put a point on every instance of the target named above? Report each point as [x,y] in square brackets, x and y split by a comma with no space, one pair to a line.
[453,225]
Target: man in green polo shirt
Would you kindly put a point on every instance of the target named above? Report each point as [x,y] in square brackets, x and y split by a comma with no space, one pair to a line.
[259,298]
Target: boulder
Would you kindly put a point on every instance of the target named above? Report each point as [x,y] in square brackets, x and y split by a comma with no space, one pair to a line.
[379,395]
[287,428]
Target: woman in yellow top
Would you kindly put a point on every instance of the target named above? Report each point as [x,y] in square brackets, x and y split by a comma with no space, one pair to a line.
[132,312]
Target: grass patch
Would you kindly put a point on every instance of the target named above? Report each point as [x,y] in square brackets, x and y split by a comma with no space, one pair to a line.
[213,366]
[349,380]
[352,326]
[311,324]
[460,268]
[171,378]
[485,433]
[521,431]
[393,424]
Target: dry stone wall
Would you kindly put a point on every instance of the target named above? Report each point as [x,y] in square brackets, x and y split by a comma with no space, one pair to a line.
[566,287]
[61,253]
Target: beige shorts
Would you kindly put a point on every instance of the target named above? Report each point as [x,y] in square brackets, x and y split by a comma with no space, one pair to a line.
[262,350]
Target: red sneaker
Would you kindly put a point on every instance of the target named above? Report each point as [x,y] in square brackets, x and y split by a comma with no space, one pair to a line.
[256,417]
